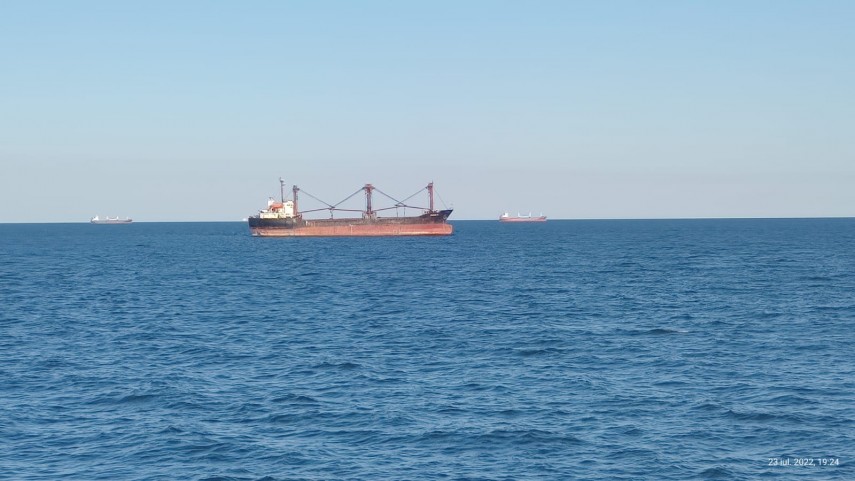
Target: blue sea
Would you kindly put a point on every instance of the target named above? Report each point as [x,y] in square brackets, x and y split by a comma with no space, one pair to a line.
[601,350]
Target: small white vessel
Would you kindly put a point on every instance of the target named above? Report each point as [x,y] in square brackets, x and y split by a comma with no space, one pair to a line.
[521,218]
[110,220]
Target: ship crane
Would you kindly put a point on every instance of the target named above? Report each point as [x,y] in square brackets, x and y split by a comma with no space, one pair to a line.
[370,212]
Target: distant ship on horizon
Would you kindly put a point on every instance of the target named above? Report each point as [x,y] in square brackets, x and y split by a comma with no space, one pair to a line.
[110,220]
[506,217]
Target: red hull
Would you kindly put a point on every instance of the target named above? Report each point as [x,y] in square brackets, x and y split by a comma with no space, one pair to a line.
[356,230]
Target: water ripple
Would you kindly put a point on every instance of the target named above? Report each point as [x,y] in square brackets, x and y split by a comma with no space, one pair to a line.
[662,350]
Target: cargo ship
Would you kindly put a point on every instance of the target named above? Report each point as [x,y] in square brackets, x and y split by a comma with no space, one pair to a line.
[521,218]
[110,220]
[284,219]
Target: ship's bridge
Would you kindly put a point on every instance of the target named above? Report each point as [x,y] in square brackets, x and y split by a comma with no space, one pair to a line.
[278,210]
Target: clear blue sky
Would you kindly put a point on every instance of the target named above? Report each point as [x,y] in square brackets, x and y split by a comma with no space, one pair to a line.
[192,110]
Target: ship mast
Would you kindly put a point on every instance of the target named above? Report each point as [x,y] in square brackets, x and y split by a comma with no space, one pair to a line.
[281,190]
[430,194]
[296,212]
